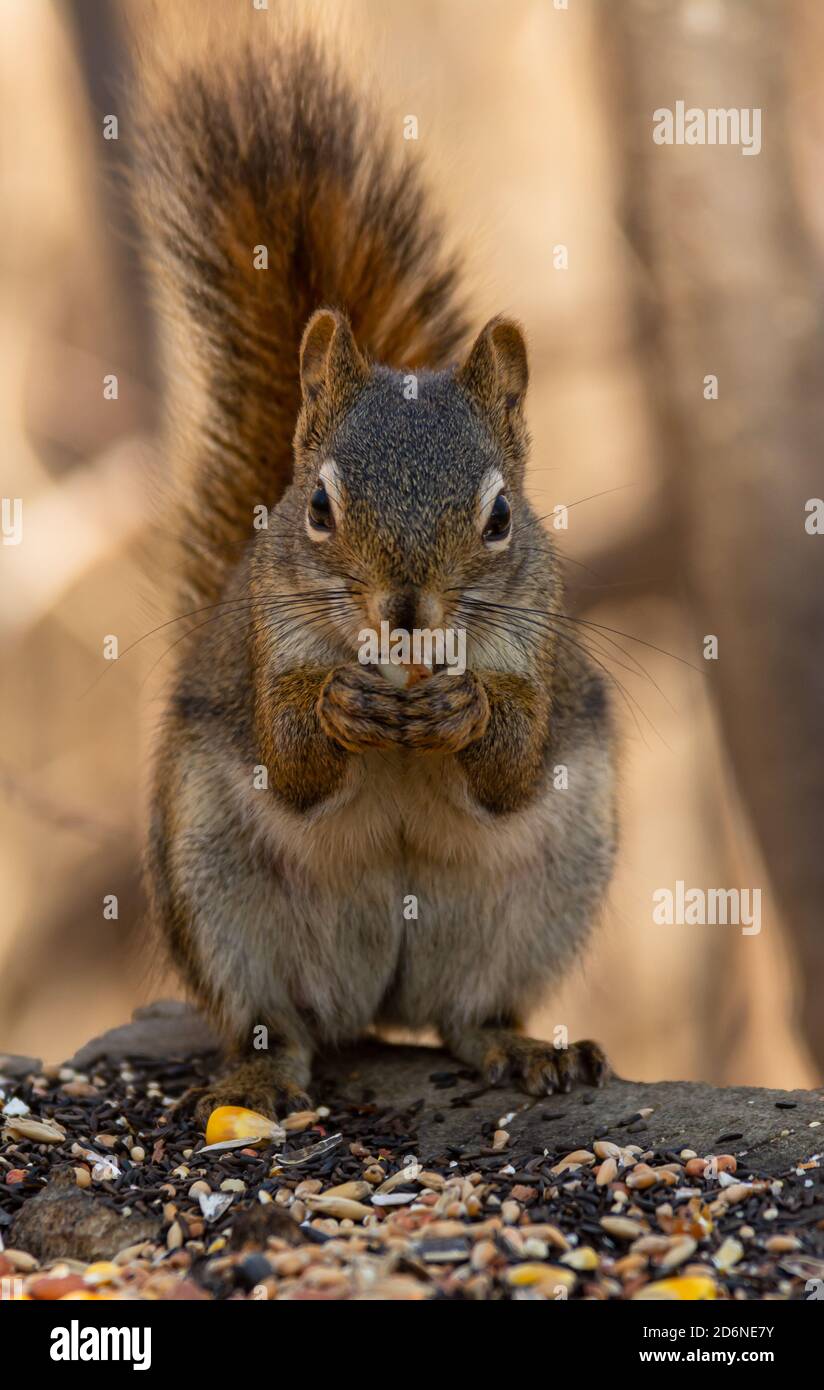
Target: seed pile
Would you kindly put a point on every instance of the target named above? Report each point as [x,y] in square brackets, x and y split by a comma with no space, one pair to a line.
[339,1203]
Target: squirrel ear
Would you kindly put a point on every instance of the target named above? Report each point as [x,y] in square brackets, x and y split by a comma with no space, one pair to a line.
[329,356]
[496,371]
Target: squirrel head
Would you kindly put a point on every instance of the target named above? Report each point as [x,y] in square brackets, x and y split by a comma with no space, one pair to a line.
[408,487]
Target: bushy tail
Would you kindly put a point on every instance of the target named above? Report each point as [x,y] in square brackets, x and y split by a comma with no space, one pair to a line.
[266,190]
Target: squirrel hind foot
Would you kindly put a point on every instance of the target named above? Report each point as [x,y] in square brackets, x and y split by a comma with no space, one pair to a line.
[261,1084]
[539,1068]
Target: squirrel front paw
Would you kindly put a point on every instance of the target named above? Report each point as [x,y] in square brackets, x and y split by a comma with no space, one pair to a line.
[359,710]
[446,713]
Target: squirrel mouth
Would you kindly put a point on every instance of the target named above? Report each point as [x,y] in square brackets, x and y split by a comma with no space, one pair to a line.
[407,656]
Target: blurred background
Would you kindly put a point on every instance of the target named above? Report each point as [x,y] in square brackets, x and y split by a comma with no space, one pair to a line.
[638,270]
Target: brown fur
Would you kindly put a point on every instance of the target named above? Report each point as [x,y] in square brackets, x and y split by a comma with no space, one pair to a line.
[282,896]
[285,157]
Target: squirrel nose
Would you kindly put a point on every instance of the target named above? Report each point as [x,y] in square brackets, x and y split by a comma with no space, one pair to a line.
[401,609]
[407,608]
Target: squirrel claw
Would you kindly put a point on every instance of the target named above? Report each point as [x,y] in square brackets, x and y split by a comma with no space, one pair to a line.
[540,1068]
[248,1087]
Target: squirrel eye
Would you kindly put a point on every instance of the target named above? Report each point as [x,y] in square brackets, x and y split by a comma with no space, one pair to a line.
[320,509]
[499,520]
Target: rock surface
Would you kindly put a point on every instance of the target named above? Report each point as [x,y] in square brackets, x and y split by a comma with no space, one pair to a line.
[776,1128]
[409,1181]
[62,1222]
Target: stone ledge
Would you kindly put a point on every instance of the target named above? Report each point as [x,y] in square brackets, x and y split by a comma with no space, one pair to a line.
[400,1188]
[777,1128]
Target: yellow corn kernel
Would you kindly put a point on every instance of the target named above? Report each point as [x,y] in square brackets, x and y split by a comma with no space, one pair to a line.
[102,1272]
[233,1122]
[545,1277]
[687,1287]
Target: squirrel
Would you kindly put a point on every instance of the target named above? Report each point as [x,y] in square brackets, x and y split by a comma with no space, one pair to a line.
[320,378]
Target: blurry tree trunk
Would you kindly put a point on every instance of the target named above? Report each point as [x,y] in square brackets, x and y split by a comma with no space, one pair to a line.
[728,283]
[104,59]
